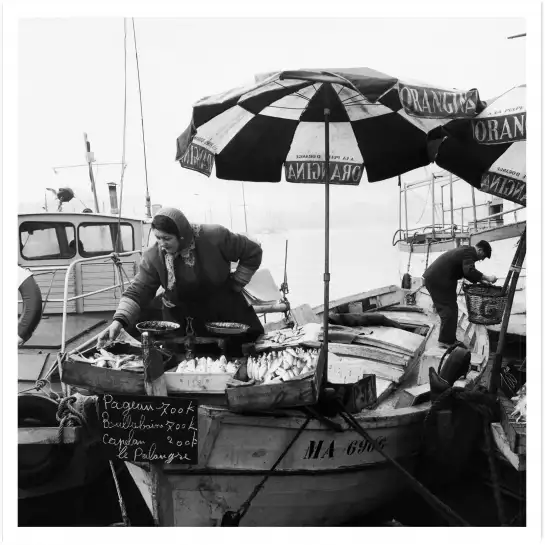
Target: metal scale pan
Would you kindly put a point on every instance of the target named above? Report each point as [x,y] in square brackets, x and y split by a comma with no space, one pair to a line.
[227,328]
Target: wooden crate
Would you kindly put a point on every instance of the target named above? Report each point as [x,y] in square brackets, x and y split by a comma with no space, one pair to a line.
[294,393]
[514,431]
[100,380]
[208,383]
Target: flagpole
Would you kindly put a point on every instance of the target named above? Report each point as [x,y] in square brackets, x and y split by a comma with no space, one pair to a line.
[90,158]
[326,261]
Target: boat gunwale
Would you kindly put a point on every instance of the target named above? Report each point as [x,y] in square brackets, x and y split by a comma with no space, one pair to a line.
[181,469]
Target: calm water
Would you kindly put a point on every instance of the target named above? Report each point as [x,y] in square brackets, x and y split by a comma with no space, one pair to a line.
[360,259]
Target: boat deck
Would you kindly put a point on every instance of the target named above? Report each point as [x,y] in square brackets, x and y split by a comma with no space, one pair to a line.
[39,354]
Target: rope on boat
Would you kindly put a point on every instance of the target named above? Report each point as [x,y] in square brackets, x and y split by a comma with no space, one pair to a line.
[124,516]
[411,252]
[68,415]
[433,500]
[231,518]
[428,253]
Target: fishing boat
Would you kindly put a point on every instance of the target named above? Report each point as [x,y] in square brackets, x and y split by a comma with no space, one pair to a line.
[65,253]
[453,224]
[330,474]
[79,264]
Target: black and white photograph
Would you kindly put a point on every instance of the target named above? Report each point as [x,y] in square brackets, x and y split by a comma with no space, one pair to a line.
[272,271]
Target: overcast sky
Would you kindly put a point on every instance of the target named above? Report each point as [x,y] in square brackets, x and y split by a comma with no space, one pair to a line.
[71,81]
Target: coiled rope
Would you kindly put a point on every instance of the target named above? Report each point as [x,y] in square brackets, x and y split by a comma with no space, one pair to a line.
[68,415]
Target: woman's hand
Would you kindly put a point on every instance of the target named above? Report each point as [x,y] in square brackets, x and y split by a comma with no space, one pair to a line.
[490,279]
[109,334]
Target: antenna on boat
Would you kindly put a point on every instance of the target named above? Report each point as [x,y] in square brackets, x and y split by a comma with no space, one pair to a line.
[90,158]
[244,205]
[148,199]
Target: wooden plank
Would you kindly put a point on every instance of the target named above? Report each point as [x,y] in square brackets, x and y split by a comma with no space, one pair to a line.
[356,297]
[47,435]
[30,366]
[304,314]
[384,388]
[518,461]
[293,393]
[360,366]
[387,299]
[514,431]
[208,383]
[101,380]
[413,396]
[391,338]
[404,317]
[355,308]
[370,353]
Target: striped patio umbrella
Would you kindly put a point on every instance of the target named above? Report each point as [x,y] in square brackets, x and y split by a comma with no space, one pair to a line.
[320,126]
[489,151]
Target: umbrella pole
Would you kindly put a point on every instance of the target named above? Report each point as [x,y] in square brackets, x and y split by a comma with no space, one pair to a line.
[326,260]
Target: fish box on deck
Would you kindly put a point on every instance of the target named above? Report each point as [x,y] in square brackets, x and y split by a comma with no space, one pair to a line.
[208,383]
[101,380]
[264,397]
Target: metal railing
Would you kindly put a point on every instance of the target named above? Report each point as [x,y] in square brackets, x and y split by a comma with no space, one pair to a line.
[115,258]
[459,229]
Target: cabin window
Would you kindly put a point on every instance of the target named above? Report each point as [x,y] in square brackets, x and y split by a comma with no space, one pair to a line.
[101,238]
[47,240]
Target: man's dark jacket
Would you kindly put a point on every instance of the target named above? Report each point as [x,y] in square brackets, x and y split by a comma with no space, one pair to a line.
[453,265]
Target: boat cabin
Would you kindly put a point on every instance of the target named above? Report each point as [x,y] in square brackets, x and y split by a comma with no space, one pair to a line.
[50,242]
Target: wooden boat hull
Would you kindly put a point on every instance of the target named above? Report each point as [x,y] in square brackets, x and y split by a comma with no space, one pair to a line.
[330,474]
[327,477]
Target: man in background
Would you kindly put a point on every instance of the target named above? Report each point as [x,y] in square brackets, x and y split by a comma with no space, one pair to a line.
[441,280]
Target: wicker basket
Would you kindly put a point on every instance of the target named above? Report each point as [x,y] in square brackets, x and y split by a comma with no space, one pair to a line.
[485,304]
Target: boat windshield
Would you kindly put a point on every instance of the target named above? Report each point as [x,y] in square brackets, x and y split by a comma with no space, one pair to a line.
[102,238]
[47,240]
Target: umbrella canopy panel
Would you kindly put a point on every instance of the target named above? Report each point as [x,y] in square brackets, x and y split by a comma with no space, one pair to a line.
[376,122]
[489,151]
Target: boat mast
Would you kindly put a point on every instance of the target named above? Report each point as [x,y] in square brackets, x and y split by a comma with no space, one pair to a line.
[451,207]
[406,213]
[400,197]
[474,209]
[148,199]
[433,205]
[89,156]
[442,208]
[244,205]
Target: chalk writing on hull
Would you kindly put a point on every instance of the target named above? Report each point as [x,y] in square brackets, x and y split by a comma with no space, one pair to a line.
[317,450]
